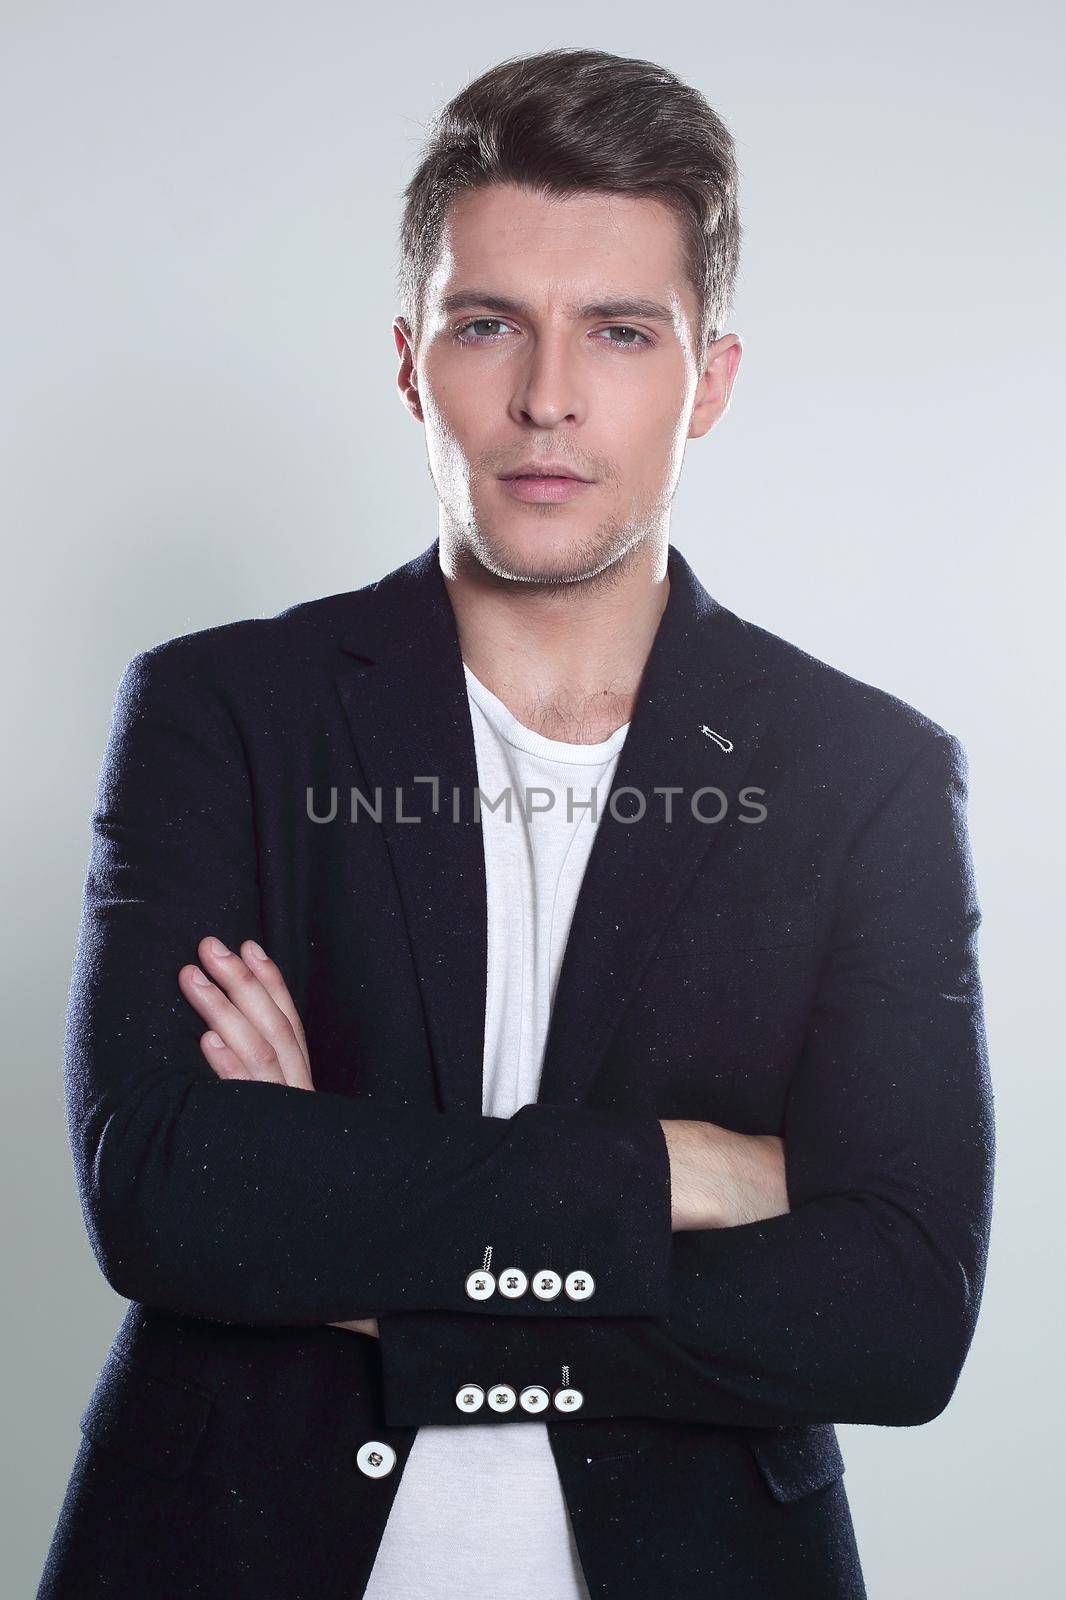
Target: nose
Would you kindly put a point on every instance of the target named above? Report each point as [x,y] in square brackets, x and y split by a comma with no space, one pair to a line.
[548,388]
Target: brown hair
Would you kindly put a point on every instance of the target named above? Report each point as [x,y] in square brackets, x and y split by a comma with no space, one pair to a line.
[573,120]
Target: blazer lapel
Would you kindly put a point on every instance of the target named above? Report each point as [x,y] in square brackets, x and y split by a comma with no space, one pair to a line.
[404,695]
[702,672]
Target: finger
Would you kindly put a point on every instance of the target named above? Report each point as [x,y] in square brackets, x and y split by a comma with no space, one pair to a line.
[254,1052]
[252,1000]
[224,1063]
[269,974]
[252,1042]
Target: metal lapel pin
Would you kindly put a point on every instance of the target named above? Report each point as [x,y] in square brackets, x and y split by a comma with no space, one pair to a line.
[719,738]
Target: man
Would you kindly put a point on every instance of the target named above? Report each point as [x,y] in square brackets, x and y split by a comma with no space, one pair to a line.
[511,1197]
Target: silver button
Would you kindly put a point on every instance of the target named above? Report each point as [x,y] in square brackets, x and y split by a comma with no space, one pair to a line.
[502,1397]
[534,1398]
[580,1285]
[567,1399]
[546,1284]
[375,1458]
[471,1397]
[480,1285]
[513,1283]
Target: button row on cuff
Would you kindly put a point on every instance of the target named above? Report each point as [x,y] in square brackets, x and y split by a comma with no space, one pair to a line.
[513,1283]
[533,1398]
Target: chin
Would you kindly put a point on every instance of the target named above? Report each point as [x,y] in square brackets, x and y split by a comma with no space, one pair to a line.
[542,554]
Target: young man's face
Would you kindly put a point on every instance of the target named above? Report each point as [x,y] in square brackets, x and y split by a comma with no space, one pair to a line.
[535,350]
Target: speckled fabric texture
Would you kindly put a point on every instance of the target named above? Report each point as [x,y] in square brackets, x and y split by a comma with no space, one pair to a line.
[812,973]
[492,1496]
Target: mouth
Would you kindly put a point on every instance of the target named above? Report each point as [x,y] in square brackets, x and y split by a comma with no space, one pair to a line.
[542,488]
[539,471]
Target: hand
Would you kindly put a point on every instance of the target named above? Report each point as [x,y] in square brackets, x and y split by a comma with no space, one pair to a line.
[722,1179]
[255,1030]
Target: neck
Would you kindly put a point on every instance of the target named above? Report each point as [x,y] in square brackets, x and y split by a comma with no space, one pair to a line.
[566,660]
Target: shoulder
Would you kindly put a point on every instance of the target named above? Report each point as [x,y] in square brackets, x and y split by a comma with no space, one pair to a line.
[295,645]
[304,629]
[302,638]
[842,723]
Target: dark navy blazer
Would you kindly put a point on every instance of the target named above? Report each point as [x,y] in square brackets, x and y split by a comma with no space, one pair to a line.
[809,972]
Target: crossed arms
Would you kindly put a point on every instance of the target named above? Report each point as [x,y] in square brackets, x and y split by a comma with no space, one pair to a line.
[216,1197]
[718,1178]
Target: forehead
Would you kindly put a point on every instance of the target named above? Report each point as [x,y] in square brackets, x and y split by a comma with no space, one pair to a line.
[516,240]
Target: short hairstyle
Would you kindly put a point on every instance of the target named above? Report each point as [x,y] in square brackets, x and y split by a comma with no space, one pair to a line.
[572,120]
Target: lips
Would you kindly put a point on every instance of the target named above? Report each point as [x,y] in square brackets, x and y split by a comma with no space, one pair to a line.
[550,470]
[543,489]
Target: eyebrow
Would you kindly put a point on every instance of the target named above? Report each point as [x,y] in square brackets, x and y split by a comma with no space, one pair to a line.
[618,310]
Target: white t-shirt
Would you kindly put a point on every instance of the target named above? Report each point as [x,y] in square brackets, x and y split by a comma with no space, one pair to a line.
[479,1512]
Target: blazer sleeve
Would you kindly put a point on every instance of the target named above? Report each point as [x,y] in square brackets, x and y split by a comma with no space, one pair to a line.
[859,1304]
[252,1202]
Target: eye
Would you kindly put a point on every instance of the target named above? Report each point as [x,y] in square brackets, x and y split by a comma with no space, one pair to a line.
[464,336]
[621,327]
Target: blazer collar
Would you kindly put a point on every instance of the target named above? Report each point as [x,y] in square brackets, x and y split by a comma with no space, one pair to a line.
[404,695]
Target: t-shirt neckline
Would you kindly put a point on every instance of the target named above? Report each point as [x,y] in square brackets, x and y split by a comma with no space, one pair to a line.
[516,733]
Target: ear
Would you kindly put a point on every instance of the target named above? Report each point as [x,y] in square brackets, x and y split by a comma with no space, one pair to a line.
[716,384]
[407,376]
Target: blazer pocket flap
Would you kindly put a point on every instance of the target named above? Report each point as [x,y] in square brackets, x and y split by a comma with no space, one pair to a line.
[148,1421]
[797,1461]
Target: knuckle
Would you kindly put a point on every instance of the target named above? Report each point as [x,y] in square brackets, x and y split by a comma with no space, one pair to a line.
[263,1054]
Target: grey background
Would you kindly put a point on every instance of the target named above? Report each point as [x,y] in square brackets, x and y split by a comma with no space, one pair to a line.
[200,423]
